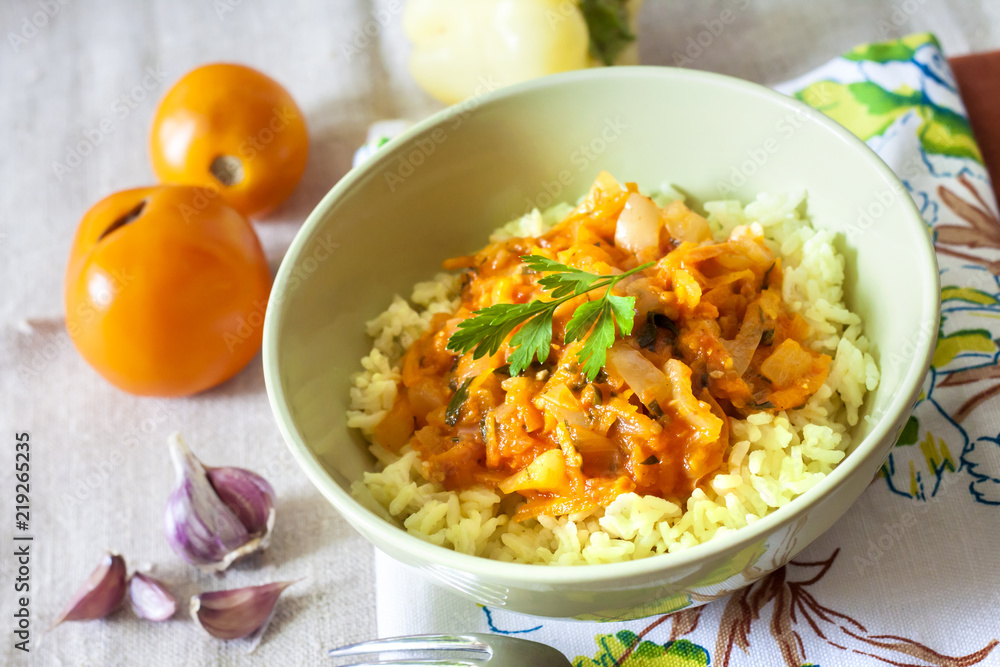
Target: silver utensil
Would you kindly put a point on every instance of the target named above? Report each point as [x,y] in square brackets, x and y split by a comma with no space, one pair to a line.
[493,650]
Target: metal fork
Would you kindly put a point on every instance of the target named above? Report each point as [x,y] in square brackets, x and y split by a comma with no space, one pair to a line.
[492,650]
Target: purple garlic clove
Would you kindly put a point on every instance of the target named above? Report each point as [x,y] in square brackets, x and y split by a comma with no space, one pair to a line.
[199,523]
[150,598]
[247,495]
[237,613]
[100,595]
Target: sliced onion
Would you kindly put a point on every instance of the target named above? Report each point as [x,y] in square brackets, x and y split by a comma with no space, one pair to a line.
[639,373]
[560,402]
[639,224]
[742,348]
[786,364]
[684,224]
[586,440]
[695,412]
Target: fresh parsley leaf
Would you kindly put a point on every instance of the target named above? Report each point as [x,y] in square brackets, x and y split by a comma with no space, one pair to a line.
[543,264]
[562,280]
[533,340]
[454,408]
[486,331]
[599,318]
[594,352]
[582,321]
[607,23]
[623,308]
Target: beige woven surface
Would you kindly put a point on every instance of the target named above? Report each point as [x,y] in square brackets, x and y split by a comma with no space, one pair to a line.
[100,472]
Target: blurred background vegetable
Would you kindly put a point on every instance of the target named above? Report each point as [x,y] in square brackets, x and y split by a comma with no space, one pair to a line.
[231,128]
[464,46]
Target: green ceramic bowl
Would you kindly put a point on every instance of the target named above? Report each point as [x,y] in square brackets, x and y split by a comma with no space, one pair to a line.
[438,190]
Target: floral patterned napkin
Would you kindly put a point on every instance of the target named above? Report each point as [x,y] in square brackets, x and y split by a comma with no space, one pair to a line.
[911,575]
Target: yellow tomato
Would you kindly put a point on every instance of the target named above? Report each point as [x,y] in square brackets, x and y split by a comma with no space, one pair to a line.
[165,290]
[230,127]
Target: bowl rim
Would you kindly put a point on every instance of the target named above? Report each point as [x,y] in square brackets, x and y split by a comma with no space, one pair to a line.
[359,515]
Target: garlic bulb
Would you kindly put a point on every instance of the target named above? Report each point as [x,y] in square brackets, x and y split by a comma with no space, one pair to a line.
[237,613]
[100,595]
[216,515]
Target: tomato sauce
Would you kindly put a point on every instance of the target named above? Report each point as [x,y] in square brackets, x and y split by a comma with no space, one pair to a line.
[712,339]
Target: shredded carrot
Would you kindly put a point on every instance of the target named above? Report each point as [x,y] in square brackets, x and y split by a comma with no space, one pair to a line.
[712,339]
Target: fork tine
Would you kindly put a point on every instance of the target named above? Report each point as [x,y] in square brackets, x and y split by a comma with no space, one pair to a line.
[413,643]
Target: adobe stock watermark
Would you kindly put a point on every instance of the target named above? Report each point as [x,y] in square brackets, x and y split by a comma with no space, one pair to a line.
[223,7]
[121,108]
[98,473]
[582,157]
[366,34]
[254,144]
[785,128]
[892,534]
[868,215]
[697,44]
[900,15]
[893,531]
[406,165]
[249,149]
[557,15]
[247,326]
[103,288]
[31,25]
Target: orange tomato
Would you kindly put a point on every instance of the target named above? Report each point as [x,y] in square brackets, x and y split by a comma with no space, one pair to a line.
[231,128]
[165,290]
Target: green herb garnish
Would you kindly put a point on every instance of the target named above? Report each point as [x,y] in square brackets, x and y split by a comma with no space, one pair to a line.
[767,276]
[664,322]
[607,23]
[647,334]
[593,322]
[451,413]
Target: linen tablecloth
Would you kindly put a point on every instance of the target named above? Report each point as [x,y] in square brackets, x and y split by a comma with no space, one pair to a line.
[910,575]
[100,473]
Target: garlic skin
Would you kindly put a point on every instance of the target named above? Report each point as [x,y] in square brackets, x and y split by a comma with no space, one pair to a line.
[205,514]
[247,495]
[239,612]
[150,598]
[101,593]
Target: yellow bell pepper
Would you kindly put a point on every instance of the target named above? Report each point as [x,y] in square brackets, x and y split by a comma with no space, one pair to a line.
[461,47]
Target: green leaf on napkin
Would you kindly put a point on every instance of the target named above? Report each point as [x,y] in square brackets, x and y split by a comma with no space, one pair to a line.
[908,436]
[967,340]
[867,110]
[896,50]
[969,295]
[642,653]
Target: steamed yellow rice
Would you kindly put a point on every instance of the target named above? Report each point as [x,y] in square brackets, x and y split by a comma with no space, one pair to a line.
[771,459]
